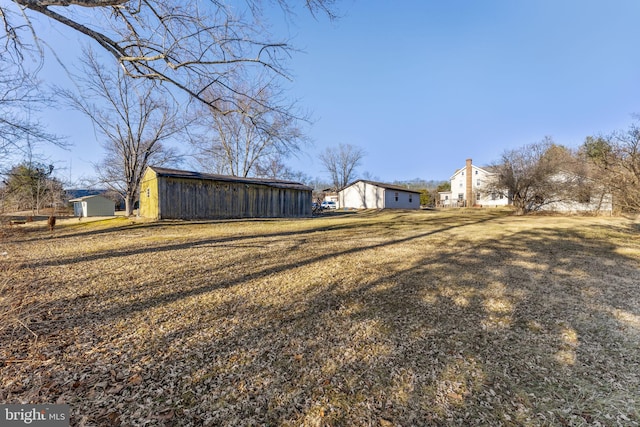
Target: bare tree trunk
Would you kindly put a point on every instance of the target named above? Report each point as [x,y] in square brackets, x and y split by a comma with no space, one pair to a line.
[520,206]
[128,204]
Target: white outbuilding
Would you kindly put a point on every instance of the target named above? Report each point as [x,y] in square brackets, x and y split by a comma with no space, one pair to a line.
[364,194]
[95,205]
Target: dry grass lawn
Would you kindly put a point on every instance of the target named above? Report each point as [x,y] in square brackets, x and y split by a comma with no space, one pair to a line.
[462,317]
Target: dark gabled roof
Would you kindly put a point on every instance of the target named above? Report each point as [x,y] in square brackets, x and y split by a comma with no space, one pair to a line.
[175,173]
[488,169]
[76,193]
[92,196]
[383,185]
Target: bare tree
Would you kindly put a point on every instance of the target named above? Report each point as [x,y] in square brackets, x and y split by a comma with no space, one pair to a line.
[341,162]
[191,46]
[536,175]
[244,143]
[20,96]
[616,162]
[275,168]
[133,120]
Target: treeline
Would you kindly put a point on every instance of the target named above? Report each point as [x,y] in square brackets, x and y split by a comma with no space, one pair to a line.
[545,172]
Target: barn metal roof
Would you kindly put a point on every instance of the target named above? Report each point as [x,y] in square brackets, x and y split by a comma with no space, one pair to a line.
[175,173]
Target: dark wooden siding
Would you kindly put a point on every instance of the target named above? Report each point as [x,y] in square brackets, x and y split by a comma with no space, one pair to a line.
[204,199]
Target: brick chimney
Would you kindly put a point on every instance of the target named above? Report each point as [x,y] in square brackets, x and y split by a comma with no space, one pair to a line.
[469,193]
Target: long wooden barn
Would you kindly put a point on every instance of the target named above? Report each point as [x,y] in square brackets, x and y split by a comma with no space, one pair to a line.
[178,194]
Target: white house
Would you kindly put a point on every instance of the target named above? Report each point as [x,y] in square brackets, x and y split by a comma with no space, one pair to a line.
[600,204]
[593,199]
[330,195]
[94,205]
[364,194]
[467,189]
[468,183]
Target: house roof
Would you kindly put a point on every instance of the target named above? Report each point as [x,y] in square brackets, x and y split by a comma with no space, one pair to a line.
[383,185]
[175,173]
[83,198]
[487,169]
[76,193]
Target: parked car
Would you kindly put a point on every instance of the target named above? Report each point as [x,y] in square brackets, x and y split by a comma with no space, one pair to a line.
[329,205]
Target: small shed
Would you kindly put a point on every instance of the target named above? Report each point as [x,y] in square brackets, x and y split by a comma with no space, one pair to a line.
[94,205]
[364,194]
[177,194]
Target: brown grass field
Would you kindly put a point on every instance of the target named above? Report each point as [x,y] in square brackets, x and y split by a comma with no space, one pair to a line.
[460,317]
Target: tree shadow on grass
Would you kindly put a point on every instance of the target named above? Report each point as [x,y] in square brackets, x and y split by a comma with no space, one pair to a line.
[505,332]
[372,226]
[436,326]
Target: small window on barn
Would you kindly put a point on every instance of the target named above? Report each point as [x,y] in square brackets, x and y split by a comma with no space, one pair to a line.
[396,197]
[410,198]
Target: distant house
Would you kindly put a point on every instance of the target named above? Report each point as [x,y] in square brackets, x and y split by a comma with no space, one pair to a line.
[330,195]
[77,193]
[178,194]
[592,199]
[600,204]
[364,194]
[467,189]
[94,205]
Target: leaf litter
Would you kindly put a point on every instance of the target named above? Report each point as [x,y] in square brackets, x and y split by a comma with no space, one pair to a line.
[468,317]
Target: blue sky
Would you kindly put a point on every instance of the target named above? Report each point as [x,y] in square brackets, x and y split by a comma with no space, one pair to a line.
[423,85]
